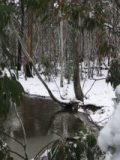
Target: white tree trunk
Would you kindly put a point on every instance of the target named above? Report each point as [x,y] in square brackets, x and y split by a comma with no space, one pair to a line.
[61,50]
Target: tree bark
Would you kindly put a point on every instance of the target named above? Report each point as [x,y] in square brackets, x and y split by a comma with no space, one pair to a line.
[19,58]
[76,59]
[61,50]
[29,42]
[76,77]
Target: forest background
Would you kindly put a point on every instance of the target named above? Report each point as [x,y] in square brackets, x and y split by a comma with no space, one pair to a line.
[72,39]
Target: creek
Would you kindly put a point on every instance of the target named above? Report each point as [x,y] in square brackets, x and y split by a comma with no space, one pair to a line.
[43,121]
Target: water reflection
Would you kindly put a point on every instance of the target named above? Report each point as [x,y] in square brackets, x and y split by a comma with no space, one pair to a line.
[64,123]
[41,118]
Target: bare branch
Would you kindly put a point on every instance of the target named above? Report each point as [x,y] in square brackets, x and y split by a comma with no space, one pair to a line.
[98,79]
[90,88]
[19,155]
[4,133]
[23,129]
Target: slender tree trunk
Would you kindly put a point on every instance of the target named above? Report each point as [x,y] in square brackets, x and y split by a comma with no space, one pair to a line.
[29,42]
[61,50]
[19,58]
[76,60]
[76,77]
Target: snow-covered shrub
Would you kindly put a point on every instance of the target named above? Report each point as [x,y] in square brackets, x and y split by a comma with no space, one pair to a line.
[114,73]
[109,138]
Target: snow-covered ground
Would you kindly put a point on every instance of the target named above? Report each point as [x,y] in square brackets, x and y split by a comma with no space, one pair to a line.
[96,92]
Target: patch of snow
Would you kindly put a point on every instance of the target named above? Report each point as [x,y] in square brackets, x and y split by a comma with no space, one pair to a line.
[35,87]
[101,94]
[108,156]
[56,5]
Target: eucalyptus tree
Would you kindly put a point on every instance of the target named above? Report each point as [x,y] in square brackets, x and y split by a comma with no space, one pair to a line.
[87,17]
[33,8]
[6,9]
[21,30]
[75,17]
[61,45]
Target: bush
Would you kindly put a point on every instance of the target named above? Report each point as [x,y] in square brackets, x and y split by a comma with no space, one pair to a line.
[83,147]
[114,73]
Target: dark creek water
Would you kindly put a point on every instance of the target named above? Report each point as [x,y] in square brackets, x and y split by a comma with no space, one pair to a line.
[43,121]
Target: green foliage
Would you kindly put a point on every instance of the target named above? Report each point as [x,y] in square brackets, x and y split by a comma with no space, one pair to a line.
[90,23]
[4,151]
[10,91]
[97,18]
[6,10]
[37,5]
[82,148]
[91,15]
[99,14]
[114,73]
[104,48]
[76,149]
[8,59]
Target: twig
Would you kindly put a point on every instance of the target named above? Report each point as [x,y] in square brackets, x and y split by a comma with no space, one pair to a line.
[4,133]
[21,123]
[93,122]
[90,88]
[39,153]
[104,119]
[23,129]
[84,82]
[58,88]
[97,79]
[19,155]
[57,134]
